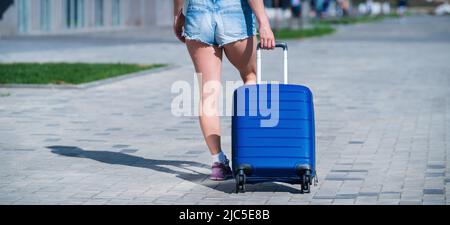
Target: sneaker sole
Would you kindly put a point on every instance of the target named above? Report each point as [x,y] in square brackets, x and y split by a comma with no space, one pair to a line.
[221,179]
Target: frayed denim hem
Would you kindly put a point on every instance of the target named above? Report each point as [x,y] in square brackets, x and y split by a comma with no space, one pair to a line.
[197,39]
[235,40]
[192,38]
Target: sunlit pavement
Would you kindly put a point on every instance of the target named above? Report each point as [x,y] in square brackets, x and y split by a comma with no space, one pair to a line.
[382,117]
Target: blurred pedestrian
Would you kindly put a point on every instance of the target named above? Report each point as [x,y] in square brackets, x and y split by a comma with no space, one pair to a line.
[401,7]
[320,7]
[280,6]
[312,8]
[296,12]
[345,7]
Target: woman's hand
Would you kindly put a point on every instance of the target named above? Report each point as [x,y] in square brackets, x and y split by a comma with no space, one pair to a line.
[178,26]
[266,36]
[265,32]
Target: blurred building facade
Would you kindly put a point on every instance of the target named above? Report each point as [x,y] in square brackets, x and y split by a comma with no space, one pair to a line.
[31,17]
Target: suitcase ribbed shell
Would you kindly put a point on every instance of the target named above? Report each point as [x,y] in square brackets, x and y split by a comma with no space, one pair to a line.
[274,153]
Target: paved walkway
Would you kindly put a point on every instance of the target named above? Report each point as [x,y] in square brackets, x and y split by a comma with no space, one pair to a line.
[382,108]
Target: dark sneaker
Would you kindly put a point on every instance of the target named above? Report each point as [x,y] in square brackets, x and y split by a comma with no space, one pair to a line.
[220,171]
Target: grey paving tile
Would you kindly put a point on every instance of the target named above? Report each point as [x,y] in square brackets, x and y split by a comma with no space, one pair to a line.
[433,191]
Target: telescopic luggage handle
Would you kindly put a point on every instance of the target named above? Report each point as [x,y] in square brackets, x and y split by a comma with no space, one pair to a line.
[285,61]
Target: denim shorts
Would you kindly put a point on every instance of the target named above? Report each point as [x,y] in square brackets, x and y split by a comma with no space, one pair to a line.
[218,22]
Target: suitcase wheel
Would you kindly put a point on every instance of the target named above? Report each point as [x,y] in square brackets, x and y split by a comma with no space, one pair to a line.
[240,181]
[306,182]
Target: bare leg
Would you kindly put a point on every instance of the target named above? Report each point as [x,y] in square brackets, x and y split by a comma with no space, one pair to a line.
[242,54]
[208,62]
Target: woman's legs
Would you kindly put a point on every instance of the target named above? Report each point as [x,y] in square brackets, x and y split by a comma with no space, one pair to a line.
[242,54]
[208,62]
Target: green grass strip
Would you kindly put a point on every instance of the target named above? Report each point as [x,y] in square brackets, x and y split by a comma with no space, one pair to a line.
[65,73]
[315,31]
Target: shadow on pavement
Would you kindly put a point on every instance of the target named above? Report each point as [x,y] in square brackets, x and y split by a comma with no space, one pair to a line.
[159,165]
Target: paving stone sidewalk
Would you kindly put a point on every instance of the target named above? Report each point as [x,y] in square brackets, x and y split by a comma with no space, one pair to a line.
[382,98]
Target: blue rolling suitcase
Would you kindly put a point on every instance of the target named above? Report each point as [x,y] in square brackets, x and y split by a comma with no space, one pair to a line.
[280,151]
